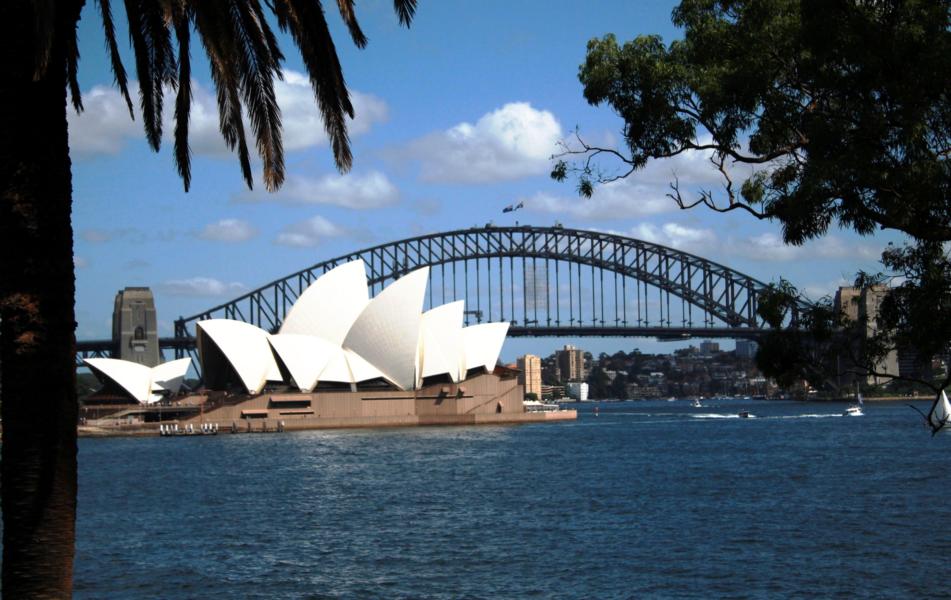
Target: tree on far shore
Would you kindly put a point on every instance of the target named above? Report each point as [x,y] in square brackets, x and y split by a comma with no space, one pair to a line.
[37,320]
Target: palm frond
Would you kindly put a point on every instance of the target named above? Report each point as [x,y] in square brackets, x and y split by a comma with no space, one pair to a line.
[213,23]
[305,21]
[406,10]
[155,62]
[258,66]
[118,70]
[350,18]
[72,60]
[184,95]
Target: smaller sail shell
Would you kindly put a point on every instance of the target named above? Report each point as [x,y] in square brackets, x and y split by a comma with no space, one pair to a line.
[246,348]
[305,356]
[168,377]
[132,377]
[441,341]
[483,343]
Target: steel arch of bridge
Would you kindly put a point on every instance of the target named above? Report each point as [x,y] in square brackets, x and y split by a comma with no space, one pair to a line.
[716,301]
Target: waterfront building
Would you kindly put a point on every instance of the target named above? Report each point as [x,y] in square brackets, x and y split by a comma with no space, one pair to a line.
[708,347]
[570,363]
[577,390]
[530,374]
[342,359]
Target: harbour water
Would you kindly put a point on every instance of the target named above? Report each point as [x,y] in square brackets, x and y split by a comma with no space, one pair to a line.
[644,499]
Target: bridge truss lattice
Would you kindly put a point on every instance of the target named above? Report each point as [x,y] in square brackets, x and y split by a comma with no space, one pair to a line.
[545,281]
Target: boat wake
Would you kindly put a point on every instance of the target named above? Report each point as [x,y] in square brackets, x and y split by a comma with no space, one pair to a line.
[815,416]
[718,416]
[752,416]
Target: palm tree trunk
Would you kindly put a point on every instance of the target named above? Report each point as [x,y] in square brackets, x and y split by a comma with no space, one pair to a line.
[37,339]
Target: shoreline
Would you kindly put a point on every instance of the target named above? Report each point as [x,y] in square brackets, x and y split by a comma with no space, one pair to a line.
[152,430]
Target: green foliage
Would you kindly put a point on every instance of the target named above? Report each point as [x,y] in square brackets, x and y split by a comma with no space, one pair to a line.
[531,396]
[841,112]
[845,105]
[598,383]
[618,388]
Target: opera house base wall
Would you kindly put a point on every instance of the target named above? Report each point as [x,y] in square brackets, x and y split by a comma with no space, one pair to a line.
[488,398]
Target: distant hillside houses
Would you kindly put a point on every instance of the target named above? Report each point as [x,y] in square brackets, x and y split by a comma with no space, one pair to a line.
[692,371]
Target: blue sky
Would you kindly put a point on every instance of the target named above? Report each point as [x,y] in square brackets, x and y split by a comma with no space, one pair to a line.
[457,117]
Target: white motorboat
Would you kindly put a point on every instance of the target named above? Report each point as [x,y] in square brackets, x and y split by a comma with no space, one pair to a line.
[697,403]
[855,410]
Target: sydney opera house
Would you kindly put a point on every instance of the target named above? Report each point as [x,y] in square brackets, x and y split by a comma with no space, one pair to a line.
[339,359]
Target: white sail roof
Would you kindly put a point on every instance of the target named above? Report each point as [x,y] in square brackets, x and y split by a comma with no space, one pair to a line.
[483,343]
[337,370]
[386,333]
[132,377]
[305,356]
[168,377]
[360,369]
[246,348]
[441,349]
[330,305]
[139,381]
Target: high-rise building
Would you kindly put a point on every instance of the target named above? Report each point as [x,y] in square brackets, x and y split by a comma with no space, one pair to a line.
[708,347]
[571,363]
[746,348]
[135,326]
[531,374]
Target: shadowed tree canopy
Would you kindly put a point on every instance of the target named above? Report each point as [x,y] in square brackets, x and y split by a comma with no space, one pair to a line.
[816,114]
[37,320]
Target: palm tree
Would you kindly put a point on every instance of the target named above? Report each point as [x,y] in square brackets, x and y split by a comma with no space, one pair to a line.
[37,322]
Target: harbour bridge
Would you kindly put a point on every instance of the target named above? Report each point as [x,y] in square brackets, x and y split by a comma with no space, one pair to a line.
[545,281]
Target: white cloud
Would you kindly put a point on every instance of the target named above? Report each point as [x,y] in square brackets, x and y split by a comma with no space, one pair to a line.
[513,141]
[621,199]
[815,291]
[228,230]
[677,236]
[371,190]
[308,233]
[303,126]
[764,247]
[201,286]
[79,262]
[105,126]
[770,247]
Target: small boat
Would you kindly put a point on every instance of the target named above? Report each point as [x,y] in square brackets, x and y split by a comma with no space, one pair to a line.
[855,410]
[744,414]
[697,403]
